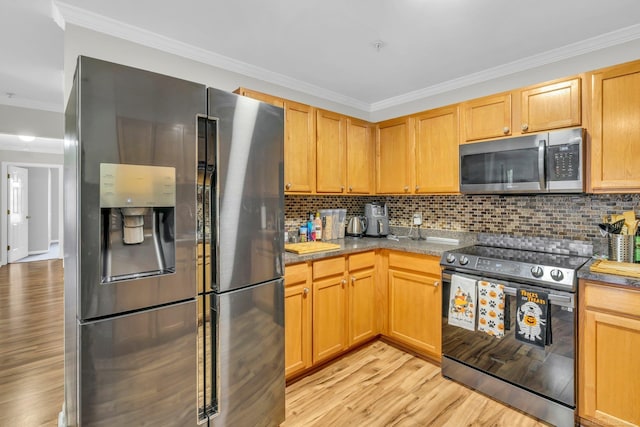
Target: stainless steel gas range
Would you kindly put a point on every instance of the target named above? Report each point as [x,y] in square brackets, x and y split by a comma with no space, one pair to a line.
[509,327]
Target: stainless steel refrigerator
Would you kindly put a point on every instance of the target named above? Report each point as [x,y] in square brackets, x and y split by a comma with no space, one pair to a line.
[173,253]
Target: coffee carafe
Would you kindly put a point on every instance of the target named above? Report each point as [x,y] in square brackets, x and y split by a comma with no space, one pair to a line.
[377,219]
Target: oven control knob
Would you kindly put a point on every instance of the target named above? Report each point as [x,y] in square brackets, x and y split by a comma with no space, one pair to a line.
[451,258]
[464,260]
[557,275]
[537,271]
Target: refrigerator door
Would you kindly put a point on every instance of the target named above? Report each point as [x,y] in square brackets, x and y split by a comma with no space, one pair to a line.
[247,212]
[249,356]
[147,121]
[139,369]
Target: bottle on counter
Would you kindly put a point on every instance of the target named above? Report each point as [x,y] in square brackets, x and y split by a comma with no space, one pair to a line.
[311,232]
[303,234]
[317,225]
[636,246]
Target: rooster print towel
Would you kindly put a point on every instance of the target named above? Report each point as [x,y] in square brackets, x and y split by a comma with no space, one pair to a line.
[491,308]
[531,317]
[462,302]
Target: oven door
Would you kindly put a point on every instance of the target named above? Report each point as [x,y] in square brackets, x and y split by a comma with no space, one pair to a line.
[548,371]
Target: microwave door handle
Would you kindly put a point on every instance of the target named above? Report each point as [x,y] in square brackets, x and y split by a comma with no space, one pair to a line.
[541,158]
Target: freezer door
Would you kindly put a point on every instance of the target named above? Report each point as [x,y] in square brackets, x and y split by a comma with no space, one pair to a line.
[249,356]
[139,369]
[248,209]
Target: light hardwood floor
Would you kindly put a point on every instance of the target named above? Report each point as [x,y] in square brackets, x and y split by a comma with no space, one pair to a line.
[378,385]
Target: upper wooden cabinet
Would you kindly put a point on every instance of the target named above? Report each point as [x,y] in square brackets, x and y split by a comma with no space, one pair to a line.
[394,156]
[299,148]
[609,338]
[550,106]
[437,158]
[360,165]
[537,108]
[615,129]
[488,117]
[331,136]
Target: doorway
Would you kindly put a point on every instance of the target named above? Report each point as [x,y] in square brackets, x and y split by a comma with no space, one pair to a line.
[41,210]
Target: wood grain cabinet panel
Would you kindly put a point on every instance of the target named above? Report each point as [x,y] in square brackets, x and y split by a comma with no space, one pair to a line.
[609,377]
[362,298]
[331,135]
[269,99]
[437,155]
[360,165]
[298,299]
[394,156]
[488,117]
[415,306]
[615,133]
[551,106]
[329,317]
[299,148]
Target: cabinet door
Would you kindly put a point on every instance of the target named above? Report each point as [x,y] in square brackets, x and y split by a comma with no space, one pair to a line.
[394,156]
[615,132]
[415,310]
[611,377]
[437,154]
[331,134]
[360,164]
[488,117]
[297,328]
[551,106]
[329,317]
[299,148]
[362,296]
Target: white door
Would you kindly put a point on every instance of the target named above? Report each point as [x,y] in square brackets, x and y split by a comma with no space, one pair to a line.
[18,214]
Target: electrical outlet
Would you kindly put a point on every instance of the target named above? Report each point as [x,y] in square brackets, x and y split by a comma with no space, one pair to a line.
[417,218]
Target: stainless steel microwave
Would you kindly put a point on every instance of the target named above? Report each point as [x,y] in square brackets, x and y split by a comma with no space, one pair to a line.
[549,162]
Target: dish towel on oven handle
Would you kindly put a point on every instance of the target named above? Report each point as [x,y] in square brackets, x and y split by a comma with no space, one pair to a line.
[491,308]
[462,302]
[533,317]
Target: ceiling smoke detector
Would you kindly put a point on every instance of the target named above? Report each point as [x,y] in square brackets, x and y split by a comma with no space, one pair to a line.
[377,44]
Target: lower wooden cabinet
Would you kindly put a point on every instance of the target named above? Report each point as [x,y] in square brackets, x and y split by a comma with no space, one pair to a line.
[362,298]
[329,308]
[609,357]
[415,302]
[297,321]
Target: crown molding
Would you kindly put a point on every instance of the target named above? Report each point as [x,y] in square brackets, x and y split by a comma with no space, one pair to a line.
[582,47]
[83,18]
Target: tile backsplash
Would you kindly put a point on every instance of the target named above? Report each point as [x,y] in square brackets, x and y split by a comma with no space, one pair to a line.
[556,216]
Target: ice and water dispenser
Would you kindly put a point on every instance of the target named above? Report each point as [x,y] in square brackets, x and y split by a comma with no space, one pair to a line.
[137,208]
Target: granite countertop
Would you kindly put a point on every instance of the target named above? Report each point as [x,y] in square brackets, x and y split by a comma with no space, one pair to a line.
[586,274]
[431,246]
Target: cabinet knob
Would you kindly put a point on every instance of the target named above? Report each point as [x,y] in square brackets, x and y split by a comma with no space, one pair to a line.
[525,126]
[353,280]
[417,187]
[406,188]
[436,284]
[305,291]
[288,186]
[505,130]
[350,188]
[342,188]
[344,282]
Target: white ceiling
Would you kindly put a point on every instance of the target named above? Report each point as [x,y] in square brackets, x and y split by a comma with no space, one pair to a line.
[324,48]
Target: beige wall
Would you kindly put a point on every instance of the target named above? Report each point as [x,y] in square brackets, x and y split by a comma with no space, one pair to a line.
[25,121]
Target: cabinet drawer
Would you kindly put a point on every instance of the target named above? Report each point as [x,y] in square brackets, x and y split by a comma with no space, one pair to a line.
[620,300]
[328,267]
[421,263]
[294,274]
[362,260]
